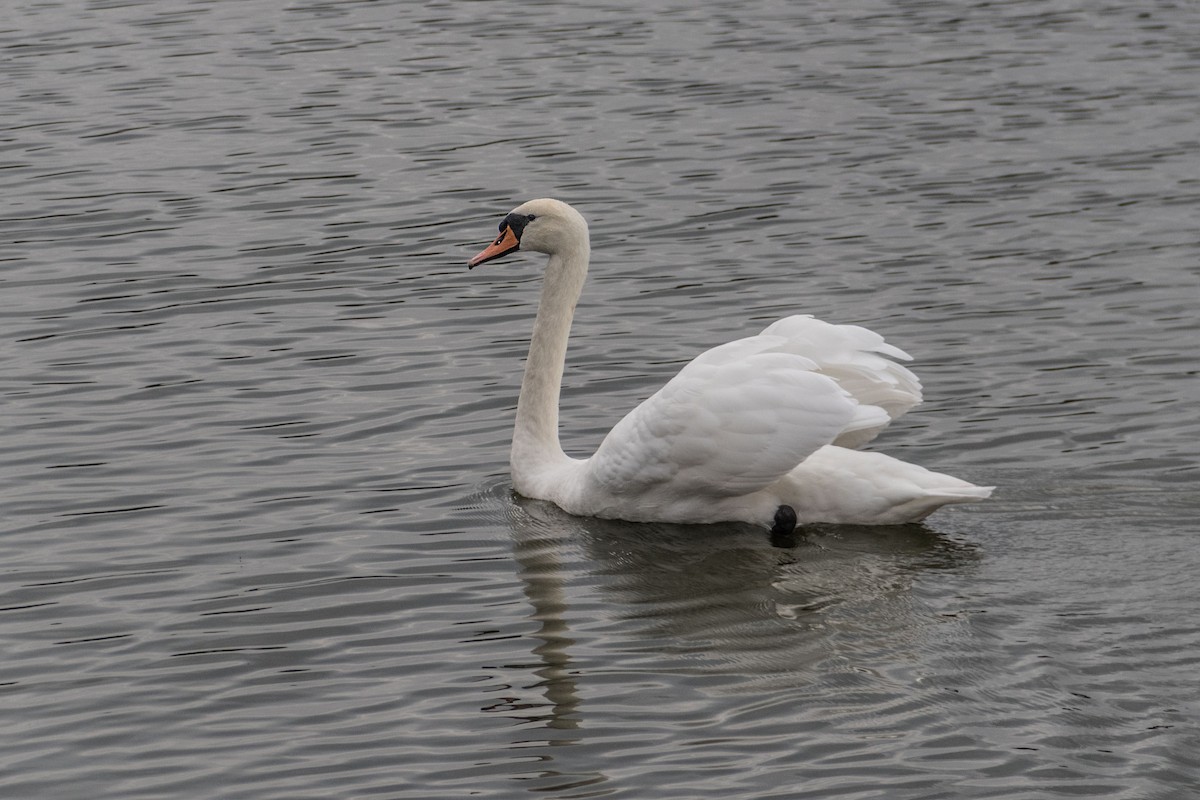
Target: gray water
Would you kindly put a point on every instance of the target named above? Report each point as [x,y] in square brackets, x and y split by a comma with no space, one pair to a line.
[259,540]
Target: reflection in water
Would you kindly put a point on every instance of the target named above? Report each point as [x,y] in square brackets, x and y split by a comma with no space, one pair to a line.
[717,601]
[538,549]
[730,603]
[540,571]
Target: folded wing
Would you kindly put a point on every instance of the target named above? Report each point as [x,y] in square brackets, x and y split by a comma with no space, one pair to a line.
[742,415]
[861,363]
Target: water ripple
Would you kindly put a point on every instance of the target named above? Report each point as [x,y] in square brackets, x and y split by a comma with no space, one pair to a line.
[261,538]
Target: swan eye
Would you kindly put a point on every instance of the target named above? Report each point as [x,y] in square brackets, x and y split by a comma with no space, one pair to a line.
[530,217]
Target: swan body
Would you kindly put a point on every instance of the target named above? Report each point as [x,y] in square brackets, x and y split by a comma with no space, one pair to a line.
[744,430]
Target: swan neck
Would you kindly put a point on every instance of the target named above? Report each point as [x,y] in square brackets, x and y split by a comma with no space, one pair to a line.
[536,451]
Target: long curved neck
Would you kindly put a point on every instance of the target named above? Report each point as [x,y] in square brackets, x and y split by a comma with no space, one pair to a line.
[536,451]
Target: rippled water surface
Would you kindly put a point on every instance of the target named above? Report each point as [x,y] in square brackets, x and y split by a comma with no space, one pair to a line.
[259,540]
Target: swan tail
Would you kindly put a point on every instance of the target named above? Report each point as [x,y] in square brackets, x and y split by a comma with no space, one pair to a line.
[919,508]
[851,486]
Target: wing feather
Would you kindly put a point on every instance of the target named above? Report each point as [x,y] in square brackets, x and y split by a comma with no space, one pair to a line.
[741,415]
[855,358]
[726,426]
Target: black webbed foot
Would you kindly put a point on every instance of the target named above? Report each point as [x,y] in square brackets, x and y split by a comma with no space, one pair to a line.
[783,532]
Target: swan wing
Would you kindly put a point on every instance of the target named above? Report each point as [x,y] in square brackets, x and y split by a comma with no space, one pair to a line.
[734,420]
[859,360]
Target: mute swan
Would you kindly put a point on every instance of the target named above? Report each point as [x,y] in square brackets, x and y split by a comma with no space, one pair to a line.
[759,430]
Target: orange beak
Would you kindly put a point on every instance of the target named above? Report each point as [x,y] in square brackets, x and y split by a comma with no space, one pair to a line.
[505,243]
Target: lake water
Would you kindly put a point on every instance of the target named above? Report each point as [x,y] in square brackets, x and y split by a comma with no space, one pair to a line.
[259,539]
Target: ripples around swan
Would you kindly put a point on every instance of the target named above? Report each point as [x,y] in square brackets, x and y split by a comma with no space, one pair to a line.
[259,539]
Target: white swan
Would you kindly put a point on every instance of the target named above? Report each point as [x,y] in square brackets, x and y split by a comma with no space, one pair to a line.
[758,430]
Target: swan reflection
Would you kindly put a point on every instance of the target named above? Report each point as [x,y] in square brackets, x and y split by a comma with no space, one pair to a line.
[671,602]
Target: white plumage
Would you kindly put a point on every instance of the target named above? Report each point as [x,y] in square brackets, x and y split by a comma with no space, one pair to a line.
[745,428]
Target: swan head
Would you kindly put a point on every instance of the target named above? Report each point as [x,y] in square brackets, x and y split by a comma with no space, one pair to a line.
[543,226]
